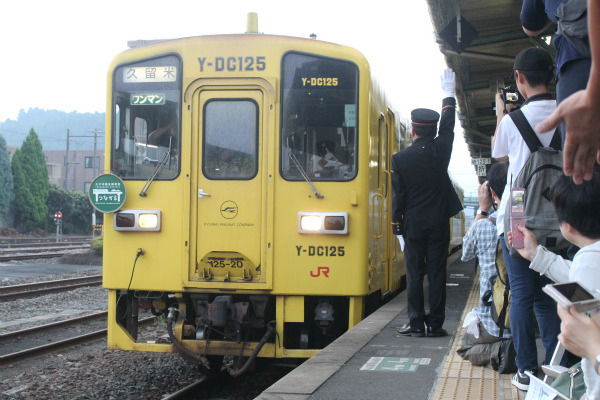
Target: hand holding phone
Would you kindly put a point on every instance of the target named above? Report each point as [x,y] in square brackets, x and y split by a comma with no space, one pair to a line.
[517,216]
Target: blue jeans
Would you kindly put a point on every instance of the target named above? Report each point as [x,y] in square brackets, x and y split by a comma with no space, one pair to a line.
[526,299]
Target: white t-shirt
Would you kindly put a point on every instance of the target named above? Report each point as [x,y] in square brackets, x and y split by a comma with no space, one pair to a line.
[509,142]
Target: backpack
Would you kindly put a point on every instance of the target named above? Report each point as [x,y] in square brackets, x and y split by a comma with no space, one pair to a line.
[571,19]
[570,383]
[499,297]
[540,171]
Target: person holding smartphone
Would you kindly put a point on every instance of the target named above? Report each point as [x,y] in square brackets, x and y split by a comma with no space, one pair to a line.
[533,71]
[577,210]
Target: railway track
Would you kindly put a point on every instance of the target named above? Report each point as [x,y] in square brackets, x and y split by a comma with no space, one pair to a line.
[63,323]
[47,239]
[57,345]
[41,288]
[188,392]
[28,251]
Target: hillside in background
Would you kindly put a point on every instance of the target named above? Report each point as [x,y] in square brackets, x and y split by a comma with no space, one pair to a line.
[51,127]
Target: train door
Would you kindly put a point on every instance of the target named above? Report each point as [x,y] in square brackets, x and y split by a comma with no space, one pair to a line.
[230,188]
[384,190]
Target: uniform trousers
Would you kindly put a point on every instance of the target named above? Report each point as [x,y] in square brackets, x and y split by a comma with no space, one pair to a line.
[426,253]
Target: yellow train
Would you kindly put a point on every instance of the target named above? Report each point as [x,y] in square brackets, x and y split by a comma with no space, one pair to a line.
[258,195]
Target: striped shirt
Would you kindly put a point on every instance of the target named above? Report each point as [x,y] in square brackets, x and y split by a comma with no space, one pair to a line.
[481,242]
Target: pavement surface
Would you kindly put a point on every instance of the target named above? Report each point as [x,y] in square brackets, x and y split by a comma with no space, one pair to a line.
[371,361]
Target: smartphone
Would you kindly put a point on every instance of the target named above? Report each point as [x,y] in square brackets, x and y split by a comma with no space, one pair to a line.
[572,293]
[517,216]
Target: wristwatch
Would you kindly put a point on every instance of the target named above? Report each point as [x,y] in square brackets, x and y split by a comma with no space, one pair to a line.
[481,212]
[597,363]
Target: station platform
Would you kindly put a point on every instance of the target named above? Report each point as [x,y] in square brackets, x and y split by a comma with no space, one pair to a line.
[371,361]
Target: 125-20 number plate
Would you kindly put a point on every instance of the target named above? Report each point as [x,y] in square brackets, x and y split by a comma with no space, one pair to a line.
[219,262]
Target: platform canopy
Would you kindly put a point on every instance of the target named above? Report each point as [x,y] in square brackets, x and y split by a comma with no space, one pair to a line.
[480,39]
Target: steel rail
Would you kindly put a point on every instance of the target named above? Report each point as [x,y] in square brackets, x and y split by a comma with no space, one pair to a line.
[41,288]
[70,321]
[187,391]
[59,345]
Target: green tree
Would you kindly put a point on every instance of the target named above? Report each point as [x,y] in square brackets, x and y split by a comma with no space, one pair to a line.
[7,189]
[75,207]
[31,182]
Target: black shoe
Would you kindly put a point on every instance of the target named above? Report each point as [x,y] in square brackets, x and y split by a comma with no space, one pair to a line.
[436,332]
[506,357]
[408,330]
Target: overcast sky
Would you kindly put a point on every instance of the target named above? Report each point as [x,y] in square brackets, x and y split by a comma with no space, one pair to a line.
[55,54]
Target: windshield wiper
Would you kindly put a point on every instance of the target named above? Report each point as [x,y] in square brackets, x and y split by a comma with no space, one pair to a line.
[304,175]
[166,158]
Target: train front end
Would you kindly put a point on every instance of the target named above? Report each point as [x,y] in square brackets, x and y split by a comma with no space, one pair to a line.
[255,214]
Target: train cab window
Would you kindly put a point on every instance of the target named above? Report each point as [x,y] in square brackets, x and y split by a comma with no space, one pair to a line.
[146,130]
[230,139]
[319,118]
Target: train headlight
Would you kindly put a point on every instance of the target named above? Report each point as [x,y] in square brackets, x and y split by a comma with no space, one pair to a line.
[310,223]
[148,221]
[323,222]
[137,220]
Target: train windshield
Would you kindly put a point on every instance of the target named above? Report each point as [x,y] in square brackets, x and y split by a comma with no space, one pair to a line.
[319,118]
[146,127]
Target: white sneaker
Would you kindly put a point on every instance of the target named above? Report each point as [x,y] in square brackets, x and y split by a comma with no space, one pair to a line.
[520,380]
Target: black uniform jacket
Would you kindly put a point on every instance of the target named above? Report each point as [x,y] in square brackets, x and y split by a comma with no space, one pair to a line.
[423,195]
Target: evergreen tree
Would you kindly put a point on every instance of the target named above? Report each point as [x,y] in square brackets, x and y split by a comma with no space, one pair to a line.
[31,182]
[7,190]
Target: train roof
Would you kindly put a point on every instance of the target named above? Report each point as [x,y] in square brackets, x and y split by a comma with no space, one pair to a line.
[267,38]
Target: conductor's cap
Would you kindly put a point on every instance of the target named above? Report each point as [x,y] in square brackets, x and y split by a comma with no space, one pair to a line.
[424,116]
[424,121]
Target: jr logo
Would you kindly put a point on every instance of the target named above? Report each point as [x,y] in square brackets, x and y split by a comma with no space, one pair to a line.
[325,271]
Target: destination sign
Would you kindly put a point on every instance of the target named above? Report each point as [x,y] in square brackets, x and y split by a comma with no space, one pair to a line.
[150,74]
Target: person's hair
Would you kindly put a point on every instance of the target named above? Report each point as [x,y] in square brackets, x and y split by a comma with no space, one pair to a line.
[497,177]
[536,78]
[577,205]
[430,131]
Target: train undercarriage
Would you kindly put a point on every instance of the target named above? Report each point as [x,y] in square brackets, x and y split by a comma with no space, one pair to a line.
[219,330]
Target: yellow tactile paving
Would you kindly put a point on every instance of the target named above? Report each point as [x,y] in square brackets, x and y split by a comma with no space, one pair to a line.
[462,380]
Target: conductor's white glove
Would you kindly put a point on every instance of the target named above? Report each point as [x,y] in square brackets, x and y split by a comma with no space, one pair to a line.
[448,82]
[401,241]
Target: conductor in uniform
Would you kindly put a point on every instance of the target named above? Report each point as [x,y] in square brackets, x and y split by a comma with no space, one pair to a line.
[423,201]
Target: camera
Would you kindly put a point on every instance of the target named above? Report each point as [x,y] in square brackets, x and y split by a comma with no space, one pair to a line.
[511,95]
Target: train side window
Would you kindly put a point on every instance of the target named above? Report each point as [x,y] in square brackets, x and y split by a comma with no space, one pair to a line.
[230,139]
[319,118]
